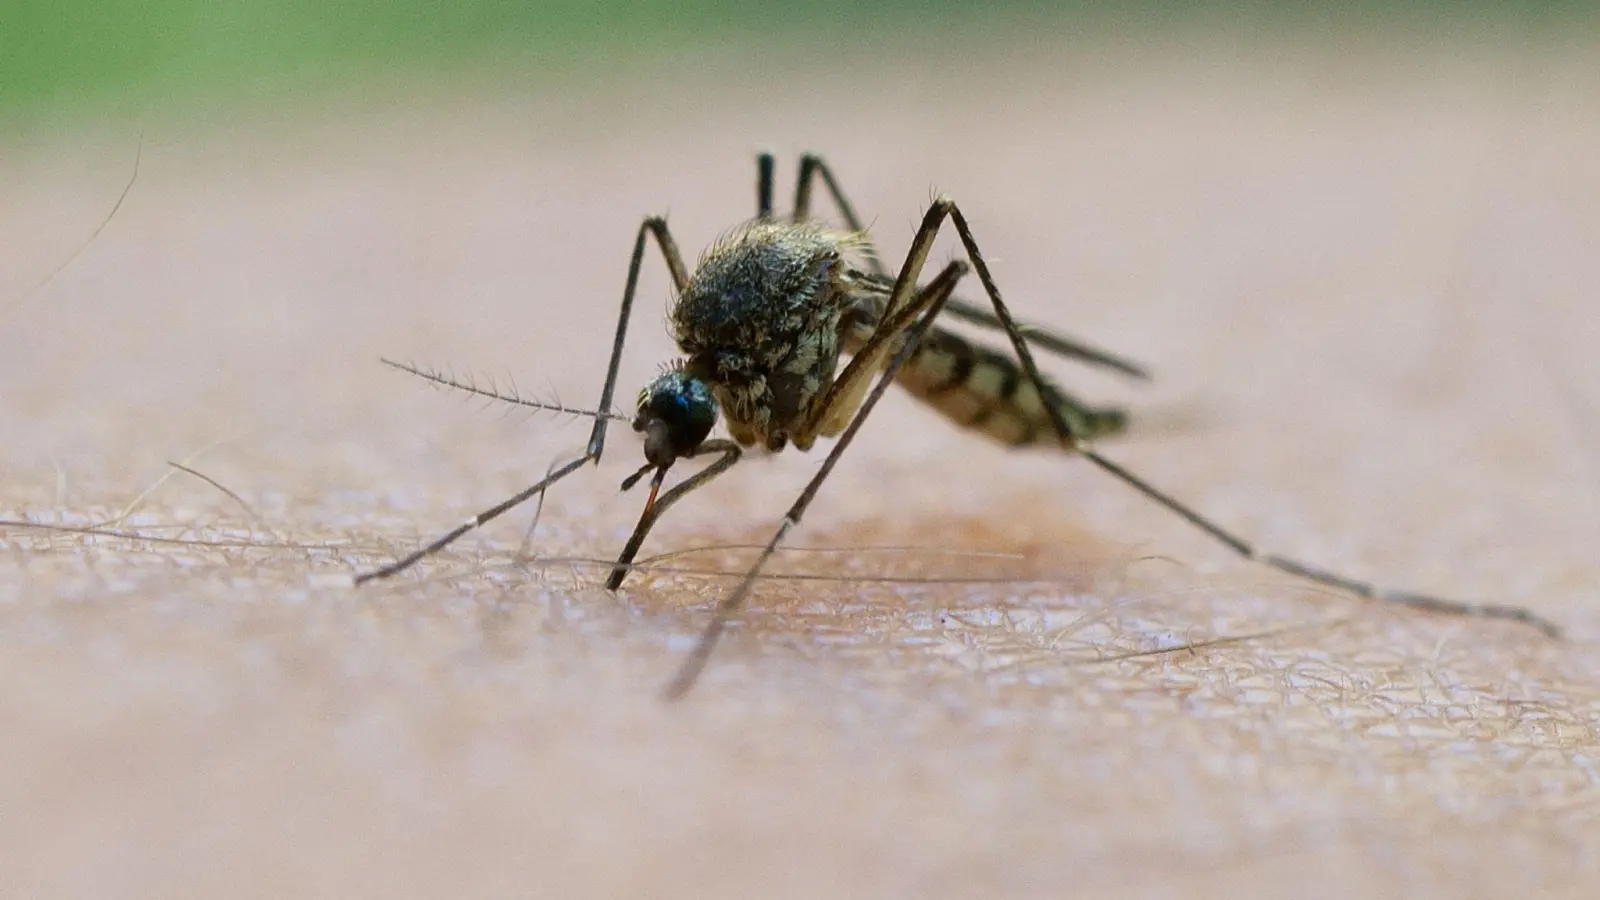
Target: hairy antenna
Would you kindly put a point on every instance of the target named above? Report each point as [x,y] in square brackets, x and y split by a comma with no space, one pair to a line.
[495,392]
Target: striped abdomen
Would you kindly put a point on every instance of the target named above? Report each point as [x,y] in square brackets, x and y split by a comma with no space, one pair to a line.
[986,390]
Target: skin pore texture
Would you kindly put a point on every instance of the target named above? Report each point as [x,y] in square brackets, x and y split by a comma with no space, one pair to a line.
[1362,288]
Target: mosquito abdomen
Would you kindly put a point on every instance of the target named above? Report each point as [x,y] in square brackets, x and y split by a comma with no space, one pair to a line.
[986,390]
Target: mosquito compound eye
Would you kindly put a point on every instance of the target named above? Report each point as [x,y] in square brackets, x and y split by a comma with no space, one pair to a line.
[676,412]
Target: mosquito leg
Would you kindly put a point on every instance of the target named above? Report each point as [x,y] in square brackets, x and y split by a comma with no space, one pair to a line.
[1045,339]
[811,167]
[657,226]
[764,185]
[652,226]
[476,521]
[1317,575]
[653,511]
[915,319]
[1247,550]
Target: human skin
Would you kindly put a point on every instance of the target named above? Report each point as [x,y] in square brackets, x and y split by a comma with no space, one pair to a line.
[1363,291]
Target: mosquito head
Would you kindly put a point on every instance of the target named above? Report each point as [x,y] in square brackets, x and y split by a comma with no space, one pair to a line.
[676,412]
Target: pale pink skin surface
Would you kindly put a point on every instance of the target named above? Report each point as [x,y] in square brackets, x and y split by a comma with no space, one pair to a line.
[1366,289]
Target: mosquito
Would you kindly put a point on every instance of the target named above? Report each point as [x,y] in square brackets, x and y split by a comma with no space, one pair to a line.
[762,322]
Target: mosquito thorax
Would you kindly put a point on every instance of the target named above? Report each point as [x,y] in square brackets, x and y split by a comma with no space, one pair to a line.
[760,320]
[676,413]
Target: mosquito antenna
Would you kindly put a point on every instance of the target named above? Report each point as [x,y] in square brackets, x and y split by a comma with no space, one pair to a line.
[494,393]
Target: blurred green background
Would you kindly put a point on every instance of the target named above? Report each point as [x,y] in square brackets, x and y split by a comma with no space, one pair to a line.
[94,56]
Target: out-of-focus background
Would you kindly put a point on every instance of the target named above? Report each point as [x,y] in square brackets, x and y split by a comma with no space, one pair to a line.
[1356,248]
[89,58]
